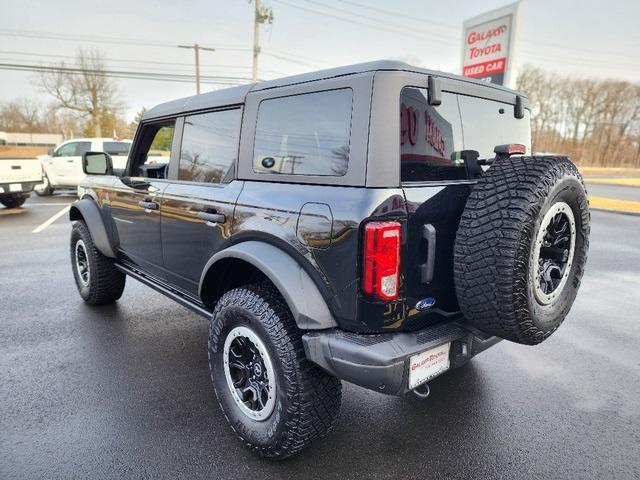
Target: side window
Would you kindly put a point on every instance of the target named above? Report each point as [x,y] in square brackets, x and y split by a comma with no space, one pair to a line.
[66,150]
[487,124]
[209,146]
[116,148]
[304,134]
[82,147]
[430,137]
[151,158]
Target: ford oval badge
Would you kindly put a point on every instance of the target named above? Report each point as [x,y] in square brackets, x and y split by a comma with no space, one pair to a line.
[425,304]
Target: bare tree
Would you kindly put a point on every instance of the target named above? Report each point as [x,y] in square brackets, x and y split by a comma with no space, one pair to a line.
[22,116]
[84,88]
[597,122]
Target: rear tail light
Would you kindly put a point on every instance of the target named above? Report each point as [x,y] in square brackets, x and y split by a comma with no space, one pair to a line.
[381,259]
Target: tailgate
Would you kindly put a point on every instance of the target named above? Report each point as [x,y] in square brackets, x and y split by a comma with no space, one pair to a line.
[15,170]
[433,216]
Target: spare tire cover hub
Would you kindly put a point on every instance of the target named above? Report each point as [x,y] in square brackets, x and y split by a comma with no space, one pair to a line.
[553,252]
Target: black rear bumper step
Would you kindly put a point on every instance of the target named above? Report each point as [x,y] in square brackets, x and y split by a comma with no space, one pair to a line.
[381,362]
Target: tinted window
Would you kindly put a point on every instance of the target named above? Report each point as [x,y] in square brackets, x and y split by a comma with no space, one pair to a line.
[487,124]
[66,150]
[82,147]
[304,134]
[151,158]
[430,138]
[116,148]
[209,146]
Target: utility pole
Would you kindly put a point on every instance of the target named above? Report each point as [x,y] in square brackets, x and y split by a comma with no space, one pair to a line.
[196,49]
[262,15]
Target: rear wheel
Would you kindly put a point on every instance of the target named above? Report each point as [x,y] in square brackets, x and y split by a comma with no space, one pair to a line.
[521,247]
[99,282]
[44,189]
[275,400]
[13,202]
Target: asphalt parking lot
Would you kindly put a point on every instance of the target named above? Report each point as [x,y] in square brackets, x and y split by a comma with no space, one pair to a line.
[123,391]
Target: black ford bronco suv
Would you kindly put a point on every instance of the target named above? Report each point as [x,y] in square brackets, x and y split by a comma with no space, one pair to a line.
[378,224]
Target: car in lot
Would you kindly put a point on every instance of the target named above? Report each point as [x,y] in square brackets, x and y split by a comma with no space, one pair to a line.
[18,178]
[63,166]
[378,224]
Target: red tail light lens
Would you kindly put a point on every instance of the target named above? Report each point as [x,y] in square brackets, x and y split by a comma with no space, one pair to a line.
[381,259]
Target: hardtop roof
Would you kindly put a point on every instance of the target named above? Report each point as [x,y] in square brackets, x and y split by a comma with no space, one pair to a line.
[236,95]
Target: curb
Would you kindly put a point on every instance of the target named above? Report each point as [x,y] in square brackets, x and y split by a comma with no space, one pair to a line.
[611,210]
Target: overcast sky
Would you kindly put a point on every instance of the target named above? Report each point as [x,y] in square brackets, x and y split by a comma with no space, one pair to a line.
[581,37]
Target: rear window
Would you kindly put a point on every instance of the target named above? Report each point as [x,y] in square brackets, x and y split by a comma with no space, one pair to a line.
[430,138]
[487,123]
[304,134]
[433,137]
[116,148]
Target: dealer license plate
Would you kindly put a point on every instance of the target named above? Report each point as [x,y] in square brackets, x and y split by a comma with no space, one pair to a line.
[15,187]
[427,365]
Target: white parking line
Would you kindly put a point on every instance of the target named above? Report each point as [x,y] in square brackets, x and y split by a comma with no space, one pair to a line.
[52,219]
[46,204]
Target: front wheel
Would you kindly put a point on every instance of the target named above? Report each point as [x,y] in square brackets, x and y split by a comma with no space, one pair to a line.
[275,399]
[98,280]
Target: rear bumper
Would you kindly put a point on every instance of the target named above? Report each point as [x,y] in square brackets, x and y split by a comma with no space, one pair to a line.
[381,362]
[24,187]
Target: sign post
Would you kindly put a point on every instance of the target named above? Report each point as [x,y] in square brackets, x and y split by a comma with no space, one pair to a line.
[488,46]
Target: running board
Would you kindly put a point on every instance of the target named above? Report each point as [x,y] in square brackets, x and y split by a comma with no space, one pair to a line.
[167,291]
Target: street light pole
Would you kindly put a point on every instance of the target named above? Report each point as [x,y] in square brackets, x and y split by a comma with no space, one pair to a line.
[196,49]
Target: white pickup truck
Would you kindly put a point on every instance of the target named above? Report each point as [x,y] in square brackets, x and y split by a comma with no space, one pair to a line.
[18,178]
[63,166]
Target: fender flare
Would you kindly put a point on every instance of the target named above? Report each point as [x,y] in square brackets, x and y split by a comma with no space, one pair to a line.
[88,211]
[305,301]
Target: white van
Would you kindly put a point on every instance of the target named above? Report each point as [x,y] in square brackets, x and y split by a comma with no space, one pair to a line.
[63,167]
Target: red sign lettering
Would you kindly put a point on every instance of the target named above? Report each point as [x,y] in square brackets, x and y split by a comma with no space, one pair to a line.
[481,69]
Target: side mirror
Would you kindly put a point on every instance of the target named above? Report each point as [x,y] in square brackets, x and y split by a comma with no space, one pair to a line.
[50,151]
[97,163]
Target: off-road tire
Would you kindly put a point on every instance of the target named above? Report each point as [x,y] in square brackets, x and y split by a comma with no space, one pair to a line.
[106,283]
[494,247]
[307,398]
[13,202]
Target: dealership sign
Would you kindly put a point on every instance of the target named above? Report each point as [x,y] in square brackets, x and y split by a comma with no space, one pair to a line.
[488,45]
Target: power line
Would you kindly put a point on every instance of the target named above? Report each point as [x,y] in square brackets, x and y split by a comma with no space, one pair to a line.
[400,15]
[102,39]
[375,19]
[586,62]
[121,60]
[121,41]
[368,25]
[169,77]
[288,58]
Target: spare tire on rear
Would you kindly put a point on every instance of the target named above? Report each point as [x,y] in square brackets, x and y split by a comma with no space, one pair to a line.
[521,247]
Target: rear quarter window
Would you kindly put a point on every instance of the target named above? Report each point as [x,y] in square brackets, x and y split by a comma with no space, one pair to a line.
[305,134]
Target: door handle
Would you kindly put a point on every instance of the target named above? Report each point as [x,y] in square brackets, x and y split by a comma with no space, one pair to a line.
[212,218]
[147,205]
[426,269]
[70,161]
